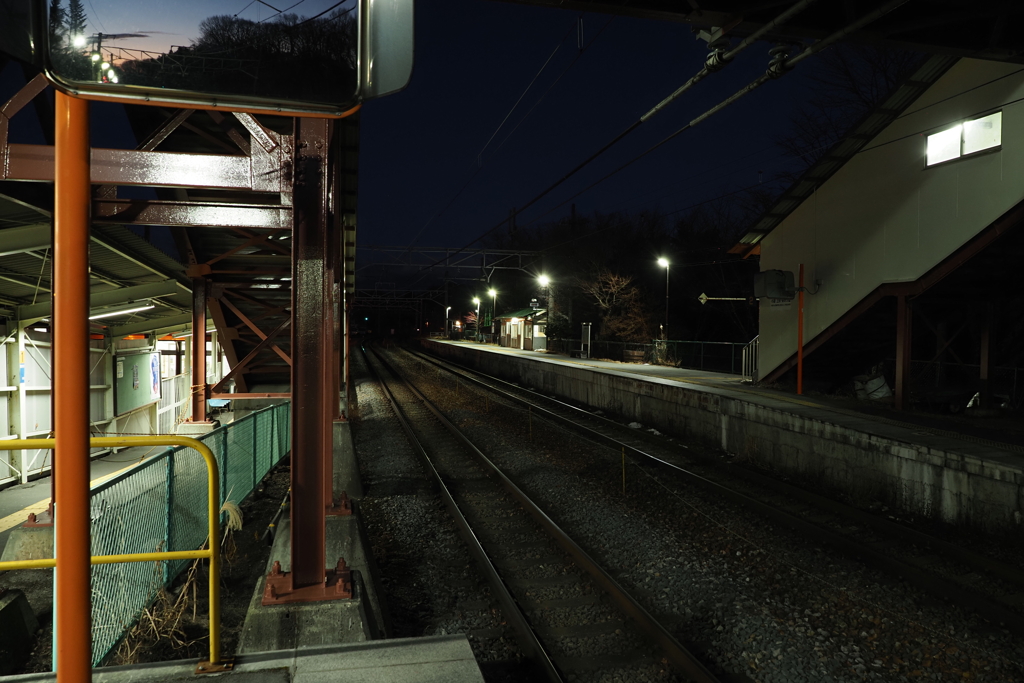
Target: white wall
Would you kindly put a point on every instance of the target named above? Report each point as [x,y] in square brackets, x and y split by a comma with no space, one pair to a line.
[885,217]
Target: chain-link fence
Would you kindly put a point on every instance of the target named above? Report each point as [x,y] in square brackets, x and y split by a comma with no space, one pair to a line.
[161,505]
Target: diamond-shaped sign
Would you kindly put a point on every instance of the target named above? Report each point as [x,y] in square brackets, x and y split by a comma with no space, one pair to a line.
[703,298]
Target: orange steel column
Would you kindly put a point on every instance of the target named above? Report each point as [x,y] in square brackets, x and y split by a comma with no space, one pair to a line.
[71,387]
[800,334]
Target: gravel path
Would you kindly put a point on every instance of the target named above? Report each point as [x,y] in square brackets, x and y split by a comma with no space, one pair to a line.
[756,599]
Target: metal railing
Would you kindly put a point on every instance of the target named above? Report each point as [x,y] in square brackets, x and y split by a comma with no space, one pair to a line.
[156,507]
[175,402]
[750,360]
[211,552]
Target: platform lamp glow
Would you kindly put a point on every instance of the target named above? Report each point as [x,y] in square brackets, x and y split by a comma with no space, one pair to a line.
[476,300]
[663,262]
[493,293]
[544,281]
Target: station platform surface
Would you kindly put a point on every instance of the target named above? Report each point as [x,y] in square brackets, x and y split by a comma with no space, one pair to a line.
[431,659]
[988,438]
[18,500]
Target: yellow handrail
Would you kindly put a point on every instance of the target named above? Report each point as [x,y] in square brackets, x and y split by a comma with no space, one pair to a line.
[213,499]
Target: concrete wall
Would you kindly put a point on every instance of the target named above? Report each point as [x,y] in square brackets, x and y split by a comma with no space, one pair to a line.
[885,217]
[872,463]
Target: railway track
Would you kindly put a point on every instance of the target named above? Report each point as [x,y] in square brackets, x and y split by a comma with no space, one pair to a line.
[972,581]
[570,616]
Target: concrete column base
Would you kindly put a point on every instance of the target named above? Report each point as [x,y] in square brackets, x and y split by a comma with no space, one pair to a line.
[346,465]
[332,622]
[28,543]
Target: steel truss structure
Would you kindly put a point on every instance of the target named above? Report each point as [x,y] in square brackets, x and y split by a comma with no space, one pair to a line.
[263,212]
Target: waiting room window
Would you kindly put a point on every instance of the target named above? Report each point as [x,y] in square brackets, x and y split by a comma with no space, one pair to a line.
[965,138]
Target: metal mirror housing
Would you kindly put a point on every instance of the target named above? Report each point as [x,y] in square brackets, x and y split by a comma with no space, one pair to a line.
[314,58]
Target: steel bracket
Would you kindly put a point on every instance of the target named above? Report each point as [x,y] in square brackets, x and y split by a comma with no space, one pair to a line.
[342,509]
[207,667]
[337,585]
[42,519]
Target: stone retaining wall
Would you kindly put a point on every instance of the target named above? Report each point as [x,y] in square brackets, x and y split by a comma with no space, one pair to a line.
[958,488]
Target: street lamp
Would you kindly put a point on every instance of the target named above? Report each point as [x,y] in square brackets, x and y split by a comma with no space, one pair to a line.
[476,300]
[544,280]
[493,293]
[447,332]
[663,262]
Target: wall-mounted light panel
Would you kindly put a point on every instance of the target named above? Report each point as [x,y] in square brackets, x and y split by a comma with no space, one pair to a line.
[964,139]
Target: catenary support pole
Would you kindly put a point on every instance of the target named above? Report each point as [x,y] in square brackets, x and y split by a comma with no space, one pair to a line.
[904,332]
[73,625]
[800,334]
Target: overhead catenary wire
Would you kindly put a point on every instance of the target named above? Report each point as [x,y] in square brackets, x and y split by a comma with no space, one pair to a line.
[777,70]
[721,62]
[479,156]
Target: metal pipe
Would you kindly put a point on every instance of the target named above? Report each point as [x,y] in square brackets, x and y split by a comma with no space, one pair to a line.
[212,552]
[73,626]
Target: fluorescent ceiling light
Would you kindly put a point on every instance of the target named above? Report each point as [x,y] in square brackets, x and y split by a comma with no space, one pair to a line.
[123,311]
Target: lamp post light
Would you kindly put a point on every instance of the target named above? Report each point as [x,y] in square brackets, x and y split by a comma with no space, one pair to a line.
[476,300]
[663,262]
[447,324]
[493,293]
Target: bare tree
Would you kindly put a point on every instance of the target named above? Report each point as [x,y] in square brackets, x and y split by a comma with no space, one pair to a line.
[619,303]
[846,82]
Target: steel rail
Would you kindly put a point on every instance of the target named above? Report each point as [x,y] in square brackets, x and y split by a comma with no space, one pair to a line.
[989,609]
[685,661]
[527,636]
[212,552]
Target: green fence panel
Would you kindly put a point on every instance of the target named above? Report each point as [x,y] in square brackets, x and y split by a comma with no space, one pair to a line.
[160,504]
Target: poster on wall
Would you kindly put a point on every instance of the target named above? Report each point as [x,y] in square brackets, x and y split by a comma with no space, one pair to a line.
[154,376]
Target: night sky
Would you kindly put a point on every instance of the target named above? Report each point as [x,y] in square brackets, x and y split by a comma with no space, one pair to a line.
[474,58]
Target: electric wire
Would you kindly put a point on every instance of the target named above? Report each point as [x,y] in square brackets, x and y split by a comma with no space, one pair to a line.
[479,164]
[281,11]
[783,68]
[725,59]
[554,83]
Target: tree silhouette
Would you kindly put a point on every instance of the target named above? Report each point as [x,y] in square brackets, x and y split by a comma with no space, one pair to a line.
[75,17]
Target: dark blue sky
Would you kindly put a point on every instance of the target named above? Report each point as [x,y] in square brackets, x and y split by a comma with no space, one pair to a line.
[474,58]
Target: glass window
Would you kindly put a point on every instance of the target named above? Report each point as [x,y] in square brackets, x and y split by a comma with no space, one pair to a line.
[944,146]
[983,133]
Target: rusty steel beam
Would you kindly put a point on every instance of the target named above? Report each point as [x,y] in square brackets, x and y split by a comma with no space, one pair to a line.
[241,366]
[251,241]
[226,335]
[312,430]
[165,130]
[154,169]
[198,390]
[252,326]
[189,214]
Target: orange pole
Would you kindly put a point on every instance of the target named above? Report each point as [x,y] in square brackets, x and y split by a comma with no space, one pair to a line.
[71,388]
[800,334]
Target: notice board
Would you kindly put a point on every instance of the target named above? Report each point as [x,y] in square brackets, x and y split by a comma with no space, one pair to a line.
[136,381]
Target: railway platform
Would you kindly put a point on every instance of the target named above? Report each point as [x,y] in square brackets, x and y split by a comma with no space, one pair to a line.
[432,659]
[967,471]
